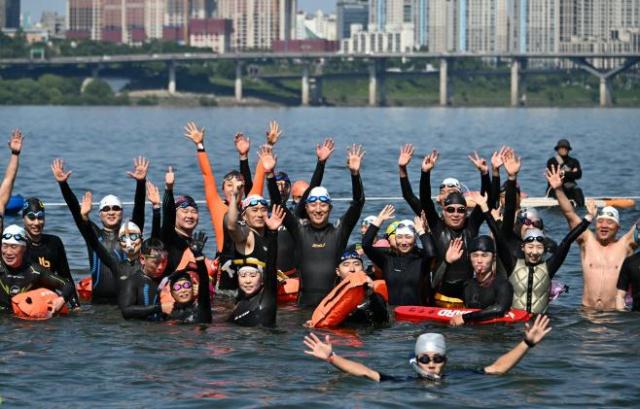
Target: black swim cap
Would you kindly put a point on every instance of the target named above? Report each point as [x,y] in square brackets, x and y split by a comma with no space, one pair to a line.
[179,275]
[32,205]
[482,243]
[284,177]
[454,198]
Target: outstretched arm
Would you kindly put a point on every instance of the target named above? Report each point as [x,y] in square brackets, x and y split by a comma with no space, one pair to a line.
[556,260]
[140,169]
[406,153]
[376,255]
[15,145]
[323,152]
[238,234]
[324,351]
[425,189]
[532,336]
[204,298]
[168,206]
[154,198]
[349,220]
[555,181]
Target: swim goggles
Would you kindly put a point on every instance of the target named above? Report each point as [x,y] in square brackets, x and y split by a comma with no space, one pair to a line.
[348,255]
[452,209]
[186,285]
[531,239]
[323,199]
[255,202]
[607,214]
[17,236]
[35,215]
[130,236]
[534,223]
[437,359]
[114,208]
[449,185]
[183,202]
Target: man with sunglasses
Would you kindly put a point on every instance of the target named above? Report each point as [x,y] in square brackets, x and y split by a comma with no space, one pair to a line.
[430,355]
[18,274]
[45,249]
[6,187]
[319,243]
[602,253]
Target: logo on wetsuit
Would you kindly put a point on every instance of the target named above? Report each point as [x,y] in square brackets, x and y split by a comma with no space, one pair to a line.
[319,245]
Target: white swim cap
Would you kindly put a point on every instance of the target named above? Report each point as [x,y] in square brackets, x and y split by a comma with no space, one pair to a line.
[14,234]
[609,212]
[319,193]
[368,220]
[407,227]
[431,342]
[110,200]
[451,182]
[127,228]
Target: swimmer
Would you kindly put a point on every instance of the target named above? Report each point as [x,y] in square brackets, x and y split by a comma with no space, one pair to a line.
[602,253]
[406,270]
[6,187]
[570,172]
[629,280]
[45,249]
[18,274]
[430,355]
[110,210]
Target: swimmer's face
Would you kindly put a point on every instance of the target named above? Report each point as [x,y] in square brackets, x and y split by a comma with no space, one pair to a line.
[393,242]
[130,241]
[228,186]
[606,229]
[533,252]
[318,212]
[284,188]
[349,266]
[182,291]
[33,225]
[405,242]
[250,282]
[187,218]
[111,216]
[13,254]
[363,228]
[153,264]
[454,215]
[482,261]
[432,367]
[255,216]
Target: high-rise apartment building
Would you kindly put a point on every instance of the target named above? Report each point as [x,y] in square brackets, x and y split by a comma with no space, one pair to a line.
[351,12]
[84,19]
[154,18]
[444,25]
[9,14]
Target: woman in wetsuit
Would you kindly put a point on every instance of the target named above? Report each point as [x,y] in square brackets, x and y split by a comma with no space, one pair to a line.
[407,269]
[258,283]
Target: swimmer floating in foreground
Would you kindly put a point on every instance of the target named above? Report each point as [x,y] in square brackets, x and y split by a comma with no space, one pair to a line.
[430,355]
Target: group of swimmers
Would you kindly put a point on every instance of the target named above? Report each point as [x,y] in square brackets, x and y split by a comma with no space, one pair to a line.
[262,243]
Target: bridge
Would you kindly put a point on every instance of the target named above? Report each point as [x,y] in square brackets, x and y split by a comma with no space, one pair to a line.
[377,70]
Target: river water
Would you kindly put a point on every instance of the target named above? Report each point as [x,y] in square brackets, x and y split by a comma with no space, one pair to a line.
[93,358]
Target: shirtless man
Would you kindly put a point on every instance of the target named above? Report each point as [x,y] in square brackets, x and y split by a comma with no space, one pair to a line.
[601,253]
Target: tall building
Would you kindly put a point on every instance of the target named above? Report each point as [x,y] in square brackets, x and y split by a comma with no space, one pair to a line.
[351,12]
[543,26]
[9,14]
[444,26]
[53,23]
[420,17]
[84,19]
[316,26]
[480,26]
[154,18]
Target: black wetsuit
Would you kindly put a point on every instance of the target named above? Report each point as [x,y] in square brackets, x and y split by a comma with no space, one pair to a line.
[49,252]
[198,311]
[451,282]
[139,298]
[261,307]
[569,184]
[630,275]
[103,281]
[320,249]
[407,275]
[174,243]
[373,311]
[27,277]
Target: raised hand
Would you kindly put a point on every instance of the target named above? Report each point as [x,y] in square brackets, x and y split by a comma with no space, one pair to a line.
[420,224]
[242,143]
[153,195]
[57,167]
[480,200]
[479,163]
[387,213]
[169,178]
[140,168]
[553,177]
[15,141]
[540,328]
[317,348]
[274,221]
[455,250]
[496,158]
[194,134]
[274,133]
[592,208]
[406,153]
[268,158]
[324,150]
[238,188]
[86,204]
[355,153]
[196,245]
[430,160]
[511,163]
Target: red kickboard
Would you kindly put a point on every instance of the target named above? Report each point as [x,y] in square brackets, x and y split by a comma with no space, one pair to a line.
[418,314]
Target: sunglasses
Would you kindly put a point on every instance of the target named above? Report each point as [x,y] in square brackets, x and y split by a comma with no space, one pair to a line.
[534,223]
[531,239]
[323,199]
[459,210]
[255,202]
[251,274]
[450,186]
[37,215]
[130,236]
[186,285]
[425,359]
[111,208]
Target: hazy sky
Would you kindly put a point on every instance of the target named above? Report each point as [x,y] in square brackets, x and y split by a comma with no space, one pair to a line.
[35,7]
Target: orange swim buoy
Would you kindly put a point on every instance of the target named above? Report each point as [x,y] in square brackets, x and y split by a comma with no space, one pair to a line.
[288,290]
[36,305]
[84,288]
[340,302]
[380,287]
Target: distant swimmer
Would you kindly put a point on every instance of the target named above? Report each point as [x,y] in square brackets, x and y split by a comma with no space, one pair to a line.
[430,355]
[18,274]
[602,253]
[629,280]
[570,171]
[6,187]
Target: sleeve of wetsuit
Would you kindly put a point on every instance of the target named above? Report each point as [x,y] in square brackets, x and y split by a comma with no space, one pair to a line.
[427,246]
[270,271]
[291,223]
[556,260]
[316,180]
[494,193]
[409,197]
[504,298]
[509,214]
[127,302]
[57,283]
[137,216]
[501,244]
[246,174]
[476,216]
[625,276]
[72,202]
[274,192]
[352,215]
[204,297]
[103,253]
[425,200]
[258,180]
[155,223]
[168,215]
[375,255]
